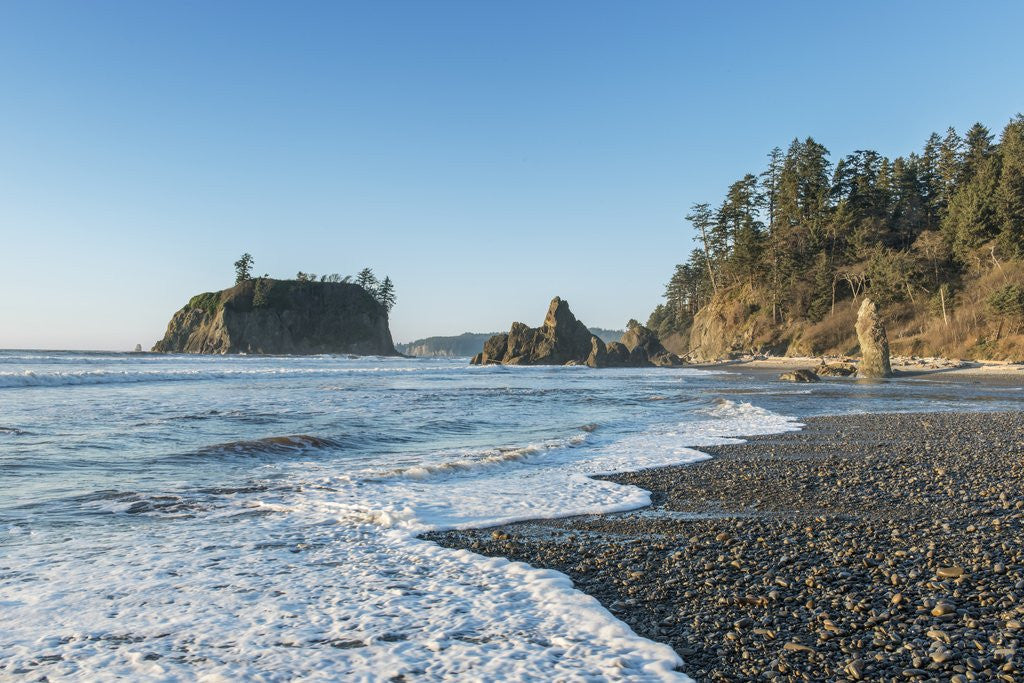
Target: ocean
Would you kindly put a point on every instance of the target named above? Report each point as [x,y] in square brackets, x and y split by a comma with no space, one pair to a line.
[217,518]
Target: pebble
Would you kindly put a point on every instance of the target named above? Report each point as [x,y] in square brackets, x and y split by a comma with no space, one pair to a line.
[787,568]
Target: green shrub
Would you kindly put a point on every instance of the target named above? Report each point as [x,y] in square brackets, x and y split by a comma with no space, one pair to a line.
[1008,301]
[208,301]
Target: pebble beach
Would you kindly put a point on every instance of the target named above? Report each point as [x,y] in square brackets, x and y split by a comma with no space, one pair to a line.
[885,547]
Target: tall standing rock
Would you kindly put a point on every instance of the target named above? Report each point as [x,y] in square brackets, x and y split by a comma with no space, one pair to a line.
[561,339]
[874,345]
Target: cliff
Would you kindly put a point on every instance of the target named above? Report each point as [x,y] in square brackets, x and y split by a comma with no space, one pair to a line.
[281,317]
[466,345]
[977,325]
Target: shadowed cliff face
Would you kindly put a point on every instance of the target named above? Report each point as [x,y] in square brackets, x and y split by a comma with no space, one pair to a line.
[288,317]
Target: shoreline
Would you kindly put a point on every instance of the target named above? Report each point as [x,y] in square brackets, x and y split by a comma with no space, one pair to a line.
[910,367]
[882,546]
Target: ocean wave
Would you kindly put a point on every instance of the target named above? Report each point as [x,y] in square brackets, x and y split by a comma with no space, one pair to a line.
[271,445]
[30,378]
[13,431]
[483,459]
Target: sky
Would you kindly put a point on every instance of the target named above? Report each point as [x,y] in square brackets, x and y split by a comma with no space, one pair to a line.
[487,156]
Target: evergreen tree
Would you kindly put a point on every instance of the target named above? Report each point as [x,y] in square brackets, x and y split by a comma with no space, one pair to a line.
[367,280]
[701,218]
[385,294]
[243,268]
[972,217]
[1010,194]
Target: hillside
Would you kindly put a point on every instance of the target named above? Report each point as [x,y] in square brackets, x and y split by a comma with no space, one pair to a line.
[935,238]
[281,317]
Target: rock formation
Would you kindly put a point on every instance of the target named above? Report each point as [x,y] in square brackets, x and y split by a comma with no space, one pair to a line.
[801,375]
[564,340]
[836,369]
[561,339]
[874,345]
[281,317]
[645,348]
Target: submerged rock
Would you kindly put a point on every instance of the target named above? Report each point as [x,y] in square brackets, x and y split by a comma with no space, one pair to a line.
[801,375]
[874,344]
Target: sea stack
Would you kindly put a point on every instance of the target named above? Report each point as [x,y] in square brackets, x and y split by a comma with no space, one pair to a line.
[874,345]
[281,317]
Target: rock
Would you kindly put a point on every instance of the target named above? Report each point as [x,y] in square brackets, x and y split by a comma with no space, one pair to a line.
[288,317]
[801,375]
[617,354]
[874,345]
[645,348]
[138,348]
[942,608]
[836,369]
[561,339]
[949,572]
[598,357]
[564,340]
[797,647]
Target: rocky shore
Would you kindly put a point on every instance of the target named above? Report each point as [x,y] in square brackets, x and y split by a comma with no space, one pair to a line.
[866,547]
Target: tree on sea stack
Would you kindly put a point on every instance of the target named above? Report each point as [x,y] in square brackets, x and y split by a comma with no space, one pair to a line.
[385,294]
[243,268]
[367,280]
[874,344]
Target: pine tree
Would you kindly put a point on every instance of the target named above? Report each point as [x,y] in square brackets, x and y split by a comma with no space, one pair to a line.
[701,218]
[972,217]
[1010,194]
[243,268]
[385,294]
[367,280]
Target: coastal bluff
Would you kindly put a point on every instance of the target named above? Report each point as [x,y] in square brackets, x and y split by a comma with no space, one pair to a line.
[564,340]
[268,316]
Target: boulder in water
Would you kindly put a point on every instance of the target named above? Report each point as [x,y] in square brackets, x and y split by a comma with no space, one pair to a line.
[801,375]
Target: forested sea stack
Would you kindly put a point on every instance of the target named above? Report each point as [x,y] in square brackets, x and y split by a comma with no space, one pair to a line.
[270,316]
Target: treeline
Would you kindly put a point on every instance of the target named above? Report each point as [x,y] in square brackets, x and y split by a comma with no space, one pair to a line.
[805,234]
[381,290]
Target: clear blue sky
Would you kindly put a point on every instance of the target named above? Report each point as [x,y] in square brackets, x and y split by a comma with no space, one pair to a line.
[486,155]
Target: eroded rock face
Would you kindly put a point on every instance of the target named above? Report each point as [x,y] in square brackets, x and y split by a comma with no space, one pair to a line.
[874,345]
[289,317]
[646,349]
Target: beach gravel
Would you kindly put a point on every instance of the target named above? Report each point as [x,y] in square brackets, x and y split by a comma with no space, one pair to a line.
[864,547]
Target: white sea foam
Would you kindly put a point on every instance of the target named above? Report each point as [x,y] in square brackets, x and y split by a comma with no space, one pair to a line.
[317,572]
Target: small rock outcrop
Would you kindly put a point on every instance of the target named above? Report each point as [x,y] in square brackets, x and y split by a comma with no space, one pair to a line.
[801,375]
[836,369]
[281,317]
[564,340]
[646,349]
[874,345]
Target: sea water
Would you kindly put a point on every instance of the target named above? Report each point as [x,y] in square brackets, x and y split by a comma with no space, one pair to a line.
[217,518]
